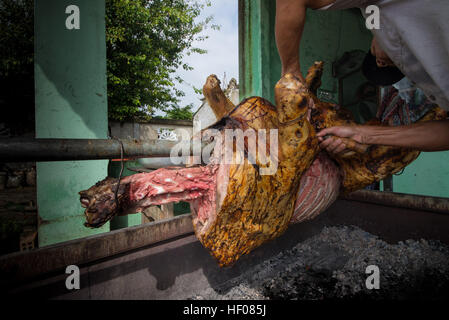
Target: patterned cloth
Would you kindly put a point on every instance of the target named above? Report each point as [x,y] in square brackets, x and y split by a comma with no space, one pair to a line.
[403,104]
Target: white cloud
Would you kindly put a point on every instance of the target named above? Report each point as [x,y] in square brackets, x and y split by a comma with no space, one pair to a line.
[222,47]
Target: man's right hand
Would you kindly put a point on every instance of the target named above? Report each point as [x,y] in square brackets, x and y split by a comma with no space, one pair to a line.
[296,73]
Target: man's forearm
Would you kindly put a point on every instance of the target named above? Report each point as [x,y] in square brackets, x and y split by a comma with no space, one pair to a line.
[290,18]
[426,136]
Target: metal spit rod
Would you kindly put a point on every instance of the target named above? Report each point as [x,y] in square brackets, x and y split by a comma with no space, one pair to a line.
[20,150]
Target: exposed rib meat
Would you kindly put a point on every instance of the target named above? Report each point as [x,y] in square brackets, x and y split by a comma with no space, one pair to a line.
[319,188]
[139,191]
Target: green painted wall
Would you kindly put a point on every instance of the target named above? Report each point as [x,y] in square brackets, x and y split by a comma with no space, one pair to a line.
[255,60]
[71,102]
[130,220]
[428,175]
[327,35]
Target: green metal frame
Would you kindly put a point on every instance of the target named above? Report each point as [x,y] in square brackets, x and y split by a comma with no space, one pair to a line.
[71,102]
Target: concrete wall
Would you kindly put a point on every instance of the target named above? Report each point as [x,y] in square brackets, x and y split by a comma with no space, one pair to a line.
[150,129]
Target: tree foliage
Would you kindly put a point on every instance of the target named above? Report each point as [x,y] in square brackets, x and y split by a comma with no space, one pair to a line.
[146,41]
[180,113]
[16,65]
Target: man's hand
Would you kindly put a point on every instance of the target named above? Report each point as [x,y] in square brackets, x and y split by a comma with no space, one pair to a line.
[297,74]
[330,139]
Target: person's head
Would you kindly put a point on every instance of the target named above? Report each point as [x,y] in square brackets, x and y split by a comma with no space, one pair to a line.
[382,59]
[379,68]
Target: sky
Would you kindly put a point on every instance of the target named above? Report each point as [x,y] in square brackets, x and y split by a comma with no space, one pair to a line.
[222,47]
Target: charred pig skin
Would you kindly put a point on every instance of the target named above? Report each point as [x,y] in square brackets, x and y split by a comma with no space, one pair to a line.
[257,207]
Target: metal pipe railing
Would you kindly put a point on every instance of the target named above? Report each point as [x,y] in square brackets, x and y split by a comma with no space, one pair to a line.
[400,200]
[20,150]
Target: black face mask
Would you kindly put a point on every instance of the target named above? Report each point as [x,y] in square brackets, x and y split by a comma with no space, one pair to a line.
[384,76]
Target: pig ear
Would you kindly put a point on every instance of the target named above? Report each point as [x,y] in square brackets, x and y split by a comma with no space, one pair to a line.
[313,78]
[217,100]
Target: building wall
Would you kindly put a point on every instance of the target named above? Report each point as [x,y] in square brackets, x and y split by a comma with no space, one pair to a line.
[150,130]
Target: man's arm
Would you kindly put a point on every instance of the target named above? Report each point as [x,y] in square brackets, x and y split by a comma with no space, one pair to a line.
[424,136]
[290,19]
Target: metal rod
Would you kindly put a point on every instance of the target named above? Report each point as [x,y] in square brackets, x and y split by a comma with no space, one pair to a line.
[20,150]
[401,200]
[162,162]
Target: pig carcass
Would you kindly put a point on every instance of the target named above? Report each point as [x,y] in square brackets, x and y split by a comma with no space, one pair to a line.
[242,197]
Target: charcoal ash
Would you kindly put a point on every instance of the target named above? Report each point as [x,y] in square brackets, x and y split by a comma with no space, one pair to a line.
[332,265]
